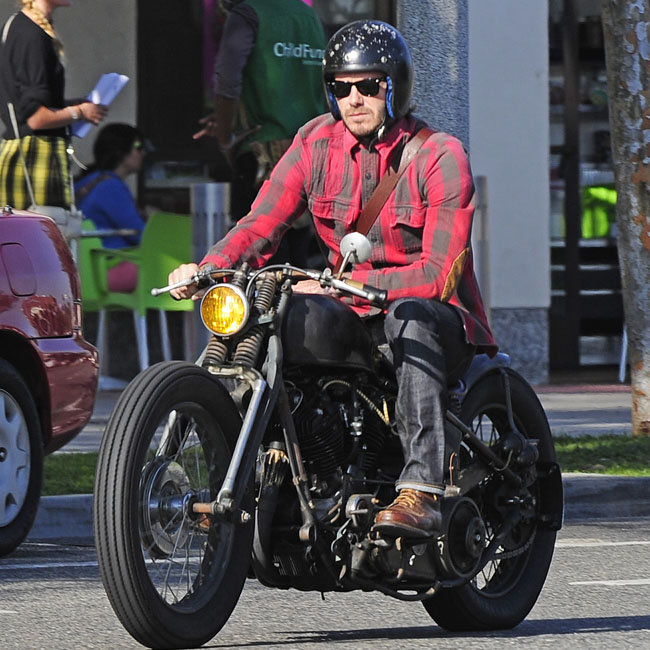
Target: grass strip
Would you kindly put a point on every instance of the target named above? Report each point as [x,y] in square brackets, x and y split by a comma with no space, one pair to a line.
[74,473]
[69,473]
[608,454]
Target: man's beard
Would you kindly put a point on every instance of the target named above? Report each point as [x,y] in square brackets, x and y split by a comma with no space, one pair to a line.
[363,131]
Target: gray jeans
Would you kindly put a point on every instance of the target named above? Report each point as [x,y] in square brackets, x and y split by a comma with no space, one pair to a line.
[429,351]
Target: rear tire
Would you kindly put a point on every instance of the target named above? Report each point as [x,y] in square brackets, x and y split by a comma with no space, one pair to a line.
[21,459]
[505,591]
[173,578]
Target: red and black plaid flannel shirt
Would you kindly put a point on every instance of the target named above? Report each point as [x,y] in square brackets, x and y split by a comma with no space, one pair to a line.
[421,239]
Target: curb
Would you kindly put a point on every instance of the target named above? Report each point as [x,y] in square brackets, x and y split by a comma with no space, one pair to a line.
[586,496]
[595,496]
[68,517]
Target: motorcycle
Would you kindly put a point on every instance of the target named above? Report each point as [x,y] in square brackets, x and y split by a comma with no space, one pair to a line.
[270,457]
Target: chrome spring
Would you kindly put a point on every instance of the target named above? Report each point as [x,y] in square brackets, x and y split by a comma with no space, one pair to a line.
[249,347]
[265,292]
[215,353]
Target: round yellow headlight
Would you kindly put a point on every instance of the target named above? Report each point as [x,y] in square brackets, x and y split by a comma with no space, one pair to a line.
[224,309]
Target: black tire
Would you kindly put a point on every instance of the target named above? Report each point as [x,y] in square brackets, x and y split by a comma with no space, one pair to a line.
[172,578]
[21,459]
[505,591]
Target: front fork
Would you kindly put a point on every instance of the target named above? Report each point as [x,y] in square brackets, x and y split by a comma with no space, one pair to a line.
[268,394]
[229,498]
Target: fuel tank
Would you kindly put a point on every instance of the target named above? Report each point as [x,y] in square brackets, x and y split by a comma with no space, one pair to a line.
[319,330]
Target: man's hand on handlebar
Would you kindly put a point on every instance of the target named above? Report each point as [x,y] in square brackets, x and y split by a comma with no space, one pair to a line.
[313,287]
[181,273]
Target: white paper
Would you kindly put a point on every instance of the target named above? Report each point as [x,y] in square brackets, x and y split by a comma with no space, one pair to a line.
[105,91]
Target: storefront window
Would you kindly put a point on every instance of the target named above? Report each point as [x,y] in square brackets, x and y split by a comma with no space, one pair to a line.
[336,13]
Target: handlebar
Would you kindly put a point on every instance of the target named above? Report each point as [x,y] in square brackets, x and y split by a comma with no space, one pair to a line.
[373,295]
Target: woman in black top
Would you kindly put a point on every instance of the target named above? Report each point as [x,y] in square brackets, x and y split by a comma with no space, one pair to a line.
[32,82]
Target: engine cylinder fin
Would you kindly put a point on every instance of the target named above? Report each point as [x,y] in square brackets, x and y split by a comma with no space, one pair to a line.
[321,432]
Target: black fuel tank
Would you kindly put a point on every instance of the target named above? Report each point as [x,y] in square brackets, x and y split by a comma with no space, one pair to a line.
[320,330]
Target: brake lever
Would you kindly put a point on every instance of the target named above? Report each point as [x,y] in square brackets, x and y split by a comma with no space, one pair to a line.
[157,291]
[202,278]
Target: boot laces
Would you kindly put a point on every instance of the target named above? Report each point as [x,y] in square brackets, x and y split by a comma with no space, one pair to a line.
[406,498]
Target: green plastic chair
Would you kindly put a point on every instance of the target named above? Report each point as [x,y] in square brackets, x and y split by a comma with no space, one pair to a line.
[93,279]
[92,264]
[166,242]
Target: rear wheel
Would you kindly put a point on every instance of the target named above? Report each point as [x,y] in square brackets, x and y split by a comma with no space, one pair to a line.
[21,459]
[172,577]
[505,591]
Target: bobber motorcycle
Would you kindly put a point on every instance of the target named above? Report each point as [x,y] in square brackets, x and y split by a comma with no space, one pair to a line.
[270,457]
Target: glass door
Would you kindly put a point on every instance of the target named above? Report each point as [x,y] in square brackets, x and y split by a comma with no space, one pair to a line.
[586,315]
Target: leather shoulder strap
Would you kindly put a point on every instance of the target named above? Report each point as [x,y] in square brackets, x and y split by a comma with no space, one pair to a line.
[386,185]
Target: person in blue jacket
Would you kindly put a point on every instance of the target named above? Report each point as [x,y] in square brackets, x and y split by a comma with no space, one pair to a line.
[105,199]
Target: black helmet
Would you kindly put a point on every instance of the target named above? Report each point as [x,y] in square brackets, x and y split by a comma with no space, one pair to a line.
[371,45]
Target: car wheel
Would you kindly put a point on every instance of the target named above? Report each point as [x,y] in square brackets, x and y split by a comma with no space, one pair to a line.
[21,459]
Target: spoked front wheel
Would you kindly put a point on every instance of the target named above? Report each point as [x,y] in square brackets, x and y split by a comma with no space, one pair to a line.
[173,577]
[502,594]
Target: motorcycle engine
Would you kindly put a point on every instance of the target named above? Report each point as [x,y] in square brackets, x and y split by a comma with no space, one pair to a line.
[337,426]
[320,426]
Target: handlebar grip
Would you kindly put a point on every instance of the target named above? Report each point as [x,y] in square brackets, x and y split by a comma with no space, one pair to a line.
[373,295]
[376,296]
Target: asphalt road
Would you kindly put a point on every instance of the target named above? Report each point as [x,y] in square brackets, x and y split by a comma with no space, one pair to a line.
[597,596]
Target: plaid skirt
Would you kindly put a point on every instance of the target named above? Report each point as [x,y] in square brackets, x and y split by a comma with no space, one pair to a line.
[49,172]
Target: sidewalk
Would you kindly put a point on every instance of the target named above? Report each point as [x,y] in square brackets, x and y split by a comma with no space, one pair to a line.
[587,409]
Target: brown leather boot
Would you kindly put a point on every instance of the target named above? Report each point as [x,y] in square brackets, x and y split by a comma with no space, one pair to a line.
[412,514]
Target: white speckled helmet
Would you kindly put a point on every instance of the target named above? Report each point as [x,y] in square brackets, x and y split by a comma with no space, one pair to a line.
[371,45]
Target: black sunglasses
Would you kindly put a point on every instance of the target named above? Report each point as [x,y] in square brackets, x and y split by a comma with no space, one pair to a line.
[367,87]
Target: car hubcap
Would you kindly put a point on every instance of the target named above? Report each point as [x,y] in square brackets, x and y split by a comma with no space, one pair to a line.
[14,458]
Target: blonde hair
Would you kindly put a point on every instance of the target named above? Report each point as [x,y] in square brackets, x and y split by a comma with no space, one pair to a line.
[43,22]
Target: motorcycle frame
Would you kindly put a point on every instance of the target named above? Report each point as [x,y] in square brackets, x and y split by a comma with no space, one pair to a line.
[268,393]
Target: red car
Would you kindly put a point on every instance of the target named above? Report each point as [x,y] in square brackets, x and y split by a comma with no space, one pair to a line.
[48,372]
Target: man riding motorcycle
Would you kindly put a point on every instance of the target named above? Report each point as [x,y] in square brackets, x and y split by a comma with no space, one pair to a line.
[421,244]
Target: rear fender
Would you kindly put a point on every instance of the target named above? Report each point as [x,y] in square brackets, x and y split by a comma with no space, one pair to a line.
[481,365]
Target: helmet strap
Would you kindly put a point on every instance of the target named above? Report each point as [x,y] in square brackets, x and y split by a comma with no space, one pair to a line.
[335,105]
[378,134]
[389,98]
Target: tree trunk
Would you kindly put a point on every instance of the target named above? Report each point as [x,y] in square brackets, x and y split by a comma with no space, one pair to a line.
[626,26]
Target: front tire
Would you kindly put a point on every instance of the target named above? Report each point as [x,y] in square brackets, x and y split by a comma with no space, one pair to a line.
[21,459]
[505,591]
[173,578]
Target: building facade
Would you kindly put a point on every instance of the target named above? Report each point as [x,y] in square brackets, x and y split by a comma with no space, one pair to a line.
[483,72]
